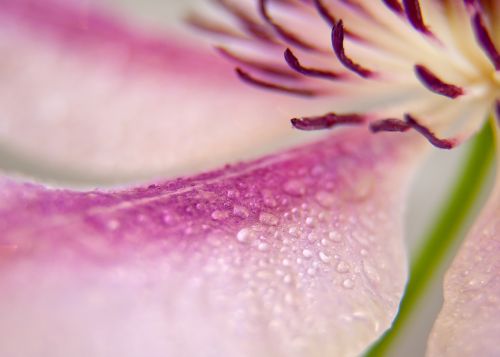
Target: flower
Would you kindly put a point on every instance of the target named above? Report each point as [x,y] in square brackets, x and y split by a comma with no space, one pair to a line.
[296,253]
[430,66]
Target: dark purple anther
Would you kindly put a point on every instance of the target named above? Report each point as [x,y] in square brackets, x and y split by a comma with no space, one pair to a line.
[429,135]
[485,41]
[325,13]
[434,84]
[284,33]
[394,5]
[263,67]
[294,63]
[396,125]
[244,76]
[327,121]
[338,48]
[414,15]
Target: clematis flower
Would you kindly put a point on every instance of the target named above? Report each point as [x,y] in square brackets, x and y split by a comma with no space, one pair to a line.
[295,251]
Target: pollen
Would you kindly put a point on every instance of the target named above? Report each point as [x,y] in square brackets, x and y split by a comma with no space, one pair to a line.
[391,65]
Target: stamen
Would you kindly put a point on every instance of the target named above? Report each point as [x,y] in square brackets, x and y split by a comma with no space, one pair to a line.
[338,48]
[429,135]
[264,67]
[273,86]
[436,85]
[394,5]
[414,15]
[249,24]
[326,121]
[212,27]
[485,41]
[284,33]
[294,63]
[325,13]
[394,125]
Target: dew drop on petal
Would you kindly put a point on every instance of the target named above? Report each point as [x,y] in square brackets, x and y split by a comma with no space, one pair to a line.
[348,283]
[325,199]
[233,193]
[307,253]
[240,211]
[325,258]
[218,215]
[294,188]
[342,267]
[263,246]
[335,236]
[268,219]
[370,272]
[244,235]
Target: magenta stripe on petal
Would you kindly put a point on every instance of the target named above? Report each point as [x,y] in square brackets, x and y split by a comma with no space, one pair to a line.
[303,246]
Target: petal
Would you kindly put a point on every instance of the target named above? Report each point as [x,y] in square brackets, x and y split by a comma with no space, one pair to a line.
[85,98]
[469,322]
[295,254]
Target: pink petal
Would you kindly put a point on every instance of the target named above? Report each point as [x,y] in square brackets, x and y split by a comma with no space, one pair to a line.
[469,322]
[295,254]
[85,97]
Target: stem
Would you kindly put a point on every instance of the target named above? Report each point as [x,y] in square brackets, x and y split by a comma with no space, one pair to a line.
[443,234]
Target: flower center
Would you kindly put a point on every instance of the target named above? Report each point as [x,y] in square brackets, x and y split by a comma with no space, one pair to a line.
[390,65]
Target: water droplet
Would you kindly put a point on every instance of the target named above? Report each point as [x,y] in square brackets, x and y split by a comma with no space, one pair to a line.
[219,215]
[233,193]
[311,271]
[287,279]
[241,211]
[307,253]
[312,237]
[263,246]
[358,188]
[348,284]
[325,258]
[335,236]
[286,262]
[268,219]
[310,221]
[294,188]
[245,235]
[325,199]
[293,231]
[342,267]
[370,272]
[268,199]
[364,252]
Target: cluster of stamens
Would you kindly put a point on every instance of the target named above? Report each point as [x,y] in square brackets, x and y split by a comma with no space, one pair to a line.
[391,36]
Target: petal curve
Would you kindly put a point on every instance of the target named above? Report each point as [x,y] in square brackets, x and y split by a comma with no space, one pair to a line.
[469,322]
[85,97]
[299,253]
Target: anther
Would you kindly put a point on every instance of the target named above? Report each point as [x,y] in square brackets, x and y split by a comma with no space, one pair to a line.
[327,121]
[246,77]
[294,63]
[436,85]
[338,48]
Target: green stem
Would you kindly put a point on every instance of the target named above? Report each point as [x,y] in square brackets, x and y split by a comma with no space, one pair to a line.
[444,233]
